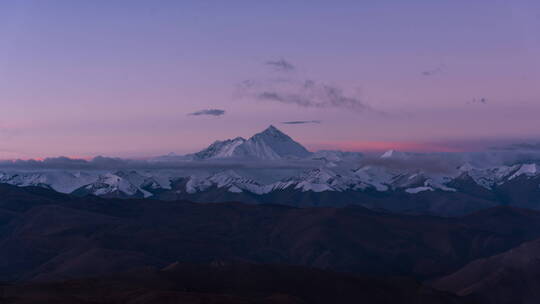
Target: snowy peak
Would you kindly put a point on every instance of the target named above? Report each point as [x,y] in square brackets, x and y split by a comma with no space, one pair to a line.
[271,144]
[272,131]
[220,149]
[528,170]
[388,154]
[393,154]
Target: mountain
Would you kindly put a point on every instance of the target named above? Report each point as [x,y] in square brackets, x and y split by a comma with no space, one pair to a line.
[512,277]
[393,154]
[228,283]
[270,167]
[399,189]
[48,236]
[113,185]
[220,149]
[270,144]
[124,184]
[60,180]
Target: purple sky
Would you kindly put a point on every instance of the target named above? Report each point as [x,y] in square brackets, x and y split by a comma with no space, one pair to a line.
[119,78]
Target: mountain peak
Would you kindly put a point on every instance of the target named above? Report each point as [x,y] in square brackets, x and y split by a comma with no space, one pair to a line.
[388,154]
[272,133]
[394,154]
[271,130]
[272,144]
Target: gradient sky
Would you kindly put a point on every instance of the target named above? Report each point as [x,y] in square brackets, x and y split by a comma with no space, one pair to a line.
[118,78]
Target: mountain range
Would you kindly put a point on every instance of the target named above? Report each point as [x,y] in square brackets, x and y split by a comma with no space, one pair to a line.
[271,167]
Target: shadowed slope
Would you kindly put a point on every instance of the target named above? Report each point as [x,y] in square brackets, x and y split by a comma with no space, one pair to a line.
[229,283]
[46,236]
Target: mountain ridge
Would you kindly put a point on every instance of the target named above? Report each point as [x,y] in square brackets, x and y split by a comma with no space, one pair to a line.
[269,144]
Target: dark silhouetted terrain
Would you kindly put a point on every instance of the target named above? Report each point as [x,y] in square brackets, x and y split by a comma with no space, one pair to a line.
[229,283]
[509,277]
[50,237]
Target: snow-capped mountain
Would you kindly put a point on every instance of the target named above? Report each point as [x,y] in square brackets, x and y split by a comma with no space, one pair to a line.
[134,183]
[110,184]
[220,149]
[322,177]
[270,144]
[372,186]
[492,177]
[393,154]
[61,181]
[229,180]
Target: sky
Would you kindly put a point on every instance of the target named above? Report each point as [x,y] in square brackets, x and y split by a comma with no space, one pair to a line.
[142,78]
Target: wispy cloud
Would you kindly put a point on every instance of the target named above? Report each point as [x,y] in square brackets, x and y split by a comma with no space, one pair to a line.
[210,112]
[281,65]
[432,163]
[482,100]
[312,94]
[303,92]
[434,71]
[301,122]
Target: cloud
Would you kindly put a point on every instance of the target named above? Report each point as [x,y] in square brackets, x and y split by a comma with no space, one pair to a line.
[211,112]
[112,163]
[430,163]
[304,93]
[67,163]
[281,65]
[301,122]
[432,72]
[300,91]
[482,100]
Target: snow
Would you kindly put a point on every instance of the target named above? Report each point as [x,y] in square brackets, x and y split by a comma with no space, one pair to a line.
[220,149]
[226,179]
[377,177]
[393,154]
[527,170]
[487,177]
[418,190]
[110,183]
[235,189]
[388,154]
[228,150]
[61,181]
[271,144]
